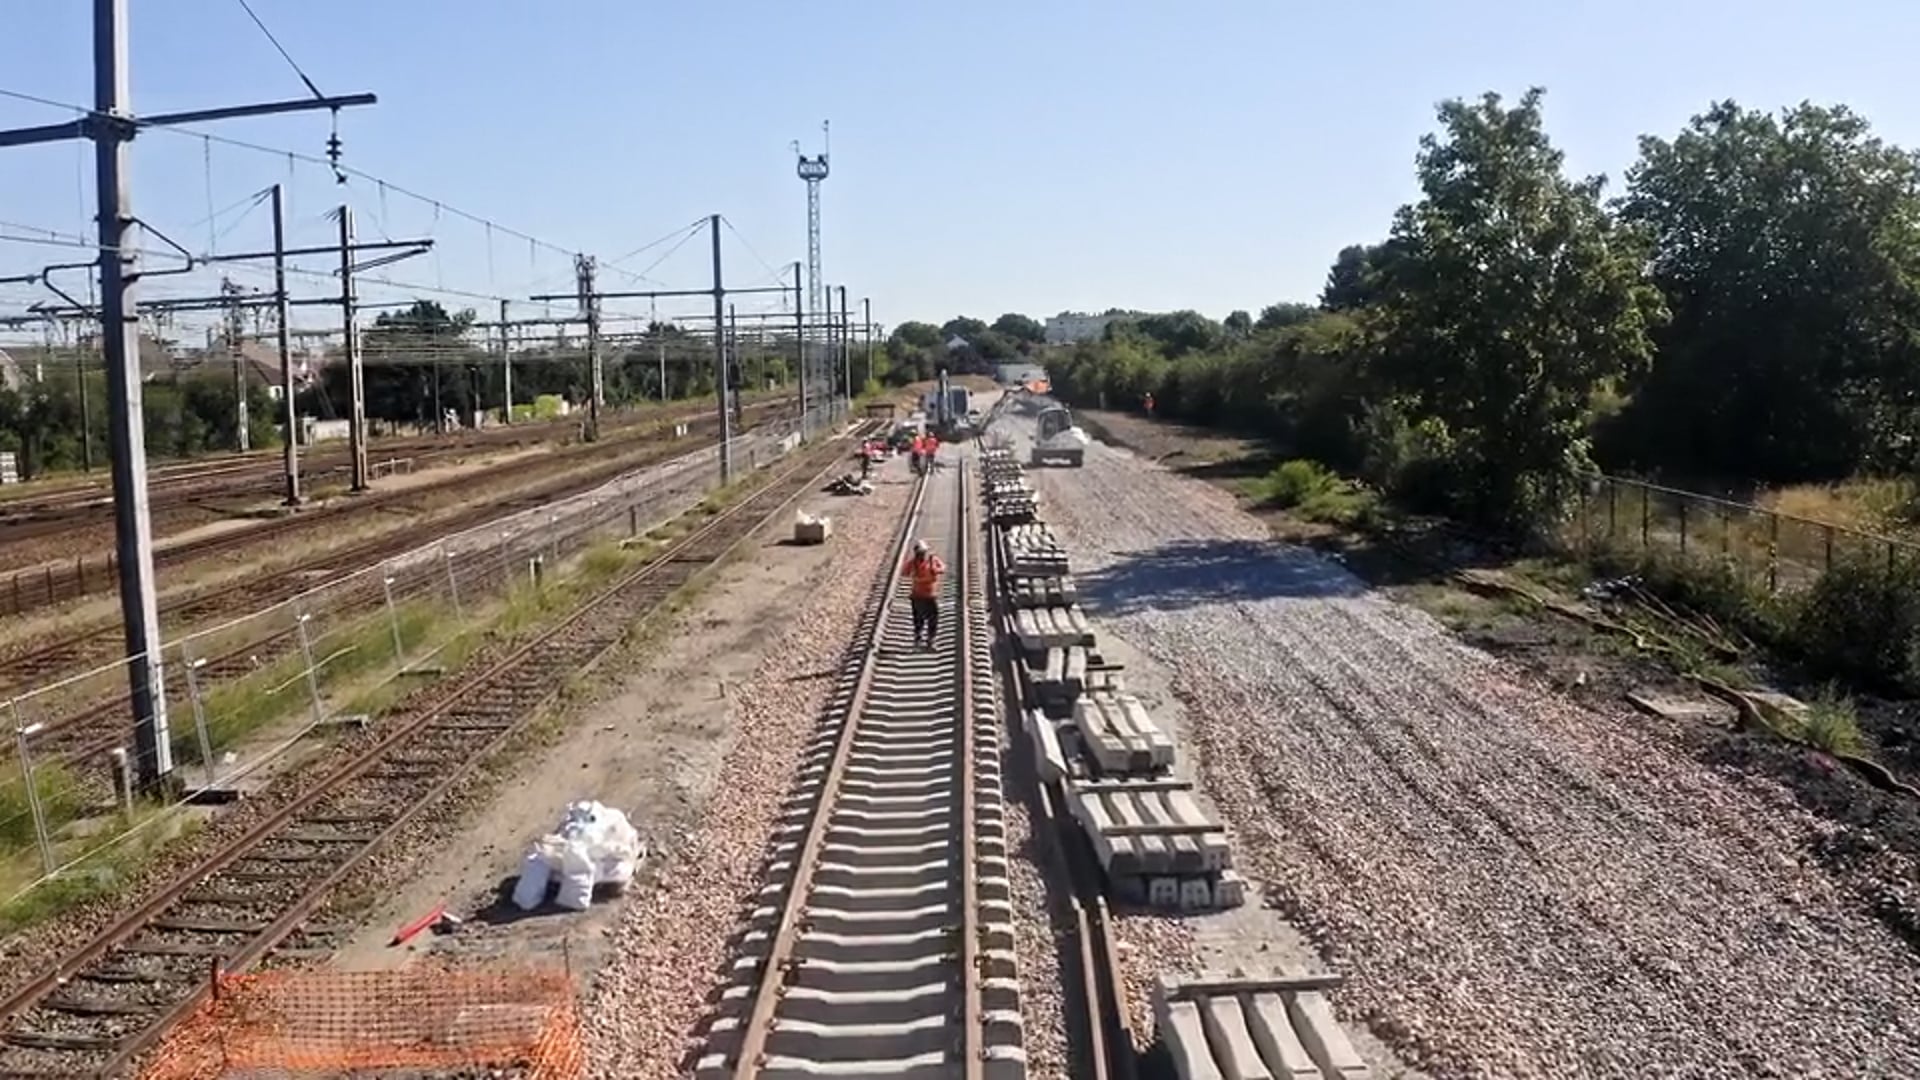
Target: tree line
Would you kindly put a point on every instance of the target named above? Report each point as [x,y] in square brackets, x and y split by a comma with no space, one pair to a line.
[1746,309]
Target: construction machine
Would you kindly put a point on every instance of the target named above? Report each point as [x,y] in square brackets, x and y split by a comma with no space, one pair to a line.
[946,409]
[1059,440]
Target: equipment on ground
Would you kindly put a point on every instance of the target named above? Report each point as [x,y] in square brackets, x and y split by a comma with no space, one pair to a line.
[1059,440]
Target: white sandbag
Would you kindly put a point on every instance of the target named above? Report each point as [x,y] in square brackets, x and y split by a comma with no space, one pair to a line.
[576,891]
[535,875]
[576,876]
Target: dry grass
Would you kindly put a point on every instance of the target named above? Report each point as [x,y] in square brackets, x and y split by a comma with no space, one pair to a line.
[1875,506]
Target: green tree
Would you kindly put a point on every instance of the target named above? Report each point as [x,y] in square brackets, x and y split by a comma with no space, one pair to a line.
[1789,251]
[1238,325]
[1514,299]
[963,326]
[1282,315]
[1019,329]
[1353,281]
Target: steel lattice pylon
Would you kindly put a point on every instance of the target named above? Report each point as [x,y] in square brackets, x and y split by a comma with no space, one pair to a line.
[813,170]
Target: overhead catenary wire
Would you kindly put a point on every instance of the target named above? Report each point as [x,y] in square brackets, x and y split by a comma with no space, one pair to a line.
[248,8]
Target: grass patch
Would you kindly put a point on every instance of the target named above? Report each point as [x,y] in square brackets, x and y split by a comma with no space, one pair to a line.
[1312,491]
[1830,724]
[104,865]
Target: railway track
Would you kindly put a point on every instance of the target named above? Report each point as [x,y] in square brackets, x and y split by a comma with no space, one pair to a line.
[105,1002]
[87,731]
[883,944]
[102,642]
[26,590]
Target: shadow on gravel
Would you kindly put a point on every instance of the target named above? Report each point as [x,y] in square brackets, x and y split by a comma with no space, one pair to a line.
[1876,841]
[1192,573]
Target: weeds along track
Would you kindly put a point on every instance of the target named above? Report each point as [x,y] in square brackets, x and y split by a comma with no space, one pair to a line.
[23,591]
[354,588]
[110,997]
[102,642]
[883,940]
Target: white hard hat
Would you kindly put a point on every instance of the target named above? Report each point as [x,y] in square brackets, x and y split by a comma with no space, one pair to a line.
[919,547]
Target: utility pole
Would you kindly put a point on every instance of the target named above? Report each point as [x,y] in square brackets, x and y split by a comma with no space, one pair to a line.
[111,126]
[846,354]
[583,269]
[866,319]
[720,357]
[356,378]
[86,409]
[236,326]
[291,412]
[800,347]
[506,366]
[736,372]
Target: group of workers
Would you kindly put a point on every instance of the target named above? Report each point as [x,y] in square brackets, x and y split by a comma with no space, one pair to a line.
[923,447]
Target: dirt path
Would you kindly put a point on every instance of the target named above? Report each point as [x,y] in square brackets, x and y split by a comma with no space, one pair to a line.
[1516,886]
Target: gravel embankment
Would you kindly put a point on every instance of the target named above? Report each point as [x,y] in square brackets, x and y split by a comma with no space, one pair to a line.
[643,1014]
[1516,886]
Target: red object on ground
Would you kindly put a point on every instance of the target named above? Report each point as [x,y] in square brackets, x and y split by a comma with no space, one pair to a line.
[412,930]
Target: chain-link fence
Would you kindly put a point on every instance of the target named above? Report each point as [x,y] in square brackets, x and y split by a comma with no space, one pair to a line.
[1770,550]
[269,686]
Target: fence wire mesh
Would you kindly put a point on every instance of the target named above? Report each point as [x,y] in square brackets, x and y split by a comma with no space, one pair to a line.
[1764,548]
[426,1019]
[241,693]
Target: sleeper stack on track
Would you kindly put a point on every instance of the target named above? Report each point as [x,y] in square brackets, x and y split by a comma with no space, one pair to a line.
[883,943]
[1114,763]
[1010,498]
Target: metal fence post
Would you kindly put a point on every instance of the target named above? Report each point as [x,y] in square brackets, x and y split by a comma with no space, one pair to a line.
[453,586]
[313,675]
[1726,531]
[22,733]
[193,666]
[1613,508]
[1828,531]
[1773,552]
[393,621]
[1683,526]
[1646,515]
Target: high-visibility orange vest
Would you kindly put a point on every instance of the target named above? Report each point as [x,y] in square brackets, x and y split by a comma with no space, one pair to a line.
[926,576]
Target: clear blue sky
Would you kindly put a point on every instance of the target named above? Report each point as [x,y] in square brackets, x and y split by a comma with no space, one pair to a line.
[987,156]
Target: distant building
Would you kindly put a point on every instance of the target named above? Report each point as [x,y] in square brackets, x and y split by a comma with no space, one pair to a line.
[957,343]
[1073,327]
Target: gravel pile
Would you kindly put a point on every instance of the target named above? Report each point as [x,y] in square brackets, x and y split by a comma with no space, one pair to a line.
[1515,886]
[672,945]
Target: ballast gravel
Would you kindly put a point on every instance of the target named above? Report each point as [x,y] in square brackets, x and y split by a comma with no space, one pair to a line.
[1516,886]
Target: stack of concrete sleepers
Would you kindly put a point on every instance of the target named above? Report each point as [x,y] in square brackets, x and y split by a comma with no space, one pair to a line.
[1010,498]
[1099,742]
[1234,1025]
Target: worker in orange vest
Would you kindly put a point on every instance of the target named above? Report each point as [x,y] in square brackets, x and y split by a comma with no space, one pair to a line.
[917,447]
[922,571]
[932,449]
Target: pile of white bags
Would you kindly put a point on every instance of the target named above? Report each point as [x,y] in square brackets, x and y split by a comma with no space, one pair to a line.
[595,845]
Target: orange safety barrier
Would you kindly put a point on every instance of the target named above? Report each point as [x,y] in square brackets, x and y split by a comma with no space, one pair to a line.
[421,1019]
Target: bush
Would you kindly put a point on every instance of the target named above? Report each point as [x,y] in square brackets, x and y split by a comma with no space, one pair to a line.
[1312,492]
[1861,621]
[1294,482]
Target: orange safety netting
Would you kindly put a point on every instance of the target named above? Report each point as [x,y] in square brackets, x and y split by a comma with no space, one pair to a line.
[294,1023]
